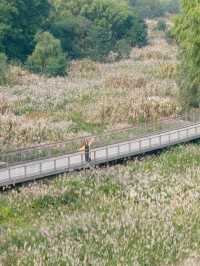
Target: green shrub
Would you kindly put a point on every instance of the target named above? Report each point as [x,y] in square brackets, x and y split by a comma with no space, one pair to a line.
[48,57]
[4,68]
[161,25]
[123,49]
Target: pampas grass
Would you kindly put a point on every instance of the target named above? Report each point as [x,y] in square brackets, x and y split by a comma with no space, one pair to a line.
[93,97]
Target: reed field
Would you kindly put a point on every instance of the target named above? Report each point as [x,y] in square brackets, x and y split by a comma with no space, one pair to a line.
[143,213]
[93,98]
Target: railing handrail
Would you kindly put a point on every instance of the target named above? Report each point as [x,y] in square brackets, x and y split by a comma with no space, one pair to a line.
[138,139]
[143,137]
[49,145]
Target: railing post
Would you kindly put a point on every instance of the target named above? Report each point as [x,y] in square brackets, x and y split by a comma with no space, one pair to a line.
[69,162]
[40,168]
[9,174]
[160,140]
[82,159]
[54,162]
[150,144]
[187,133]
[107,153]
[196,131]
[198,128]
[129,147]
[179,135]
[25,171]
[140,145]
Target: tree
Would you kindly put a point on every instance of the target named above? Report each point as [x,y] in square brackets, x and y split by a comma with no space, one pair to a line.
[85,28]
[48,57]
[20,20]
[148,8]
[71,31]
[99,39]
[171,6]
[123,49]
[137,35]
[187,34]
[155,8]
[92,28]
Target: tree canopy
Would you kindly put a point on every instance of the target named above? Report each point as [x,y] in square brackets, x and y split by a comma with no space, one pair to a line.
[155,8]
[84,28]
[94,27]
[48,57]
[20,20]
[187,33]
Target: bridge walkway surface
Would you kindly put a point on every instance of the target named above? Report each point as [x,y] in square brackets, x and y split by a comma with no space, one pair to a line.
[30,171]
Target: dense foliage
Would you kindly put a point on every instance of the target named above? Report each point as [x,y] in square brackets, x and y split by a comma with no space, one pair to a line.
[48,57]
[20,20]
[155,8]
[171,6]
[85,28]
[146,8]
[94,28]
[187,32]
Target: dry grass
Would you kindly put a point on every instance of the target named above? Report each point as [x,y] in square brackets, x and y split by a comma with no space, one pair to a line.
[93,97]
[190,262]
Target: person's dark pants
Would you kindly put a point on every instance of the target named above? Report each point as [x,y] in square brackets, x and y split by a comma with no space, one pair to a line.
[87,155]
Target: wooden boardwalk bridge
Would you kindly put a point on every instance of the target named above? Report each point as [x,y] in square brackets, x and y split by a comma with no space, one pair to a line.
[36,169]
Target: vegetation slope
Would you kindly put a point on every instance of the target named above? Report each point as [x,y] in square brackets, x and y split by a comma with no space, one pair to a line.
[144,213]
[93,98]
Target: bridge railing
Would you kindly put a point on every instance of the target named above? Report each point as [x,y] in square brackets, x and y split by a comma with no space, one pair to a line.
[73,145]
[37,169]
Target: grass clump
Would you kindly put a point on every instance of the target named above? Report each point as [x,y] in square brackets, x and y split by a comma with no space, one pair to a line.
[5,214]
[166,71]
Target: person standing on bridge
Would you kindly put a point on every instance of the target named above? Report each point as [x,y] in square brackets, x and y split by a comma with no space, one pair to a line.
[86,148]
[87,151]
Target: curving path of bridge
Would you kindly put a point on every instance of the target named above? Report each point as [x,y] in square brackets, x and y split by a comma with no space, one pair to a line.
[58,165]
